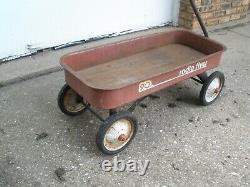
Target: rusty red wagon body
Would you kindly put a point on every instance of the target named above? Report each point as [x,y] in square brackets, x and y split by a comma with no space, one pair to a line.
[113,75]
[186,55]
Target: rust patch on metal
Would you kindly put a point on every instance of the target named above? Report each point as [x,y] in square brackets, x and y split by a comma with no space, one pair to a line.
[122,138]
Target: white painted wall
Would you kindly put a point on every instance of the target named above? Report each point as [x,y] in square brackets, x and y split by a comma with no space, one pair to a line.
[26,25]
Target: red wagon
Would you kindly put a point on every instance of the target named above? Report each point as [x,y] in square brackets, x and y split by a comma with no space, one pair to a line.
[113,75]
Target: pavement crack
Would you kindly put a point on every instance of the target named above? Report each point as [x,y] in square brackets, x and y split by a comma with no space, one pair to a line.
[60,172]
[41,136]
[238,33]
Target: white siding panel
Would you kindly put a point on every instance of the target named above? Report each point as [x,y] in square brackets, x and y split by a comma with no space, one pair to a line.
[28,25]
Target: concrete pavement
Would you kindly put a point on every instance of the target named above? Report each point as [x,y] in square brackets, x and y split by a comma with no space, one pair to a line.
[187,145]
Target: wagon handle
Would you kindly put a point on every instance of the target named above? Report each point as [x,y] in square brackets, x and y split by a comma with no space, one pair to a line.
[197,14]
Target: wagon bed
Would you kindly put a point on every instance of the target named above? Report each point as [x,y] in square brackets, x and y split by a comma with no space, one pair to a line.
[128,70]
[112,75]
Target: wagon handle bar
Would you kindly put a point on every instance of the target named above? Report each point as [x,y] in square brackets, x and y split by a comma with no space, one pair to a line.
[197,14]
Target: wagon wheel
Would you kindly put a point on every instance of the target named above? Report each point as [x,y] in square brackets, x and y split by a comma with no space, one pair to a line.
[70,102]
[116,133]
[212,88]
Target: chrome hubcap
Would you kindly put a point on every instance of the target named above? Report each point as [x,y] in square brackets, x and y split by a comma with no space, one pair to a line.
[213,90]
[118,134]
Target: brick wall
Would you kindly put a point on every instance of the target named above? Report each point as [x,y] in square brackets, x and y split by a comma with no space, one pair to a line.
[213,12]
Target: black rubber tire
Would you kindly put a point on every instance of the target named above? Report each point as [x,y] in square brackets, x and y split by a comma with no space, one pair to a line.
[216,74]
[106,125]
[60,101]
